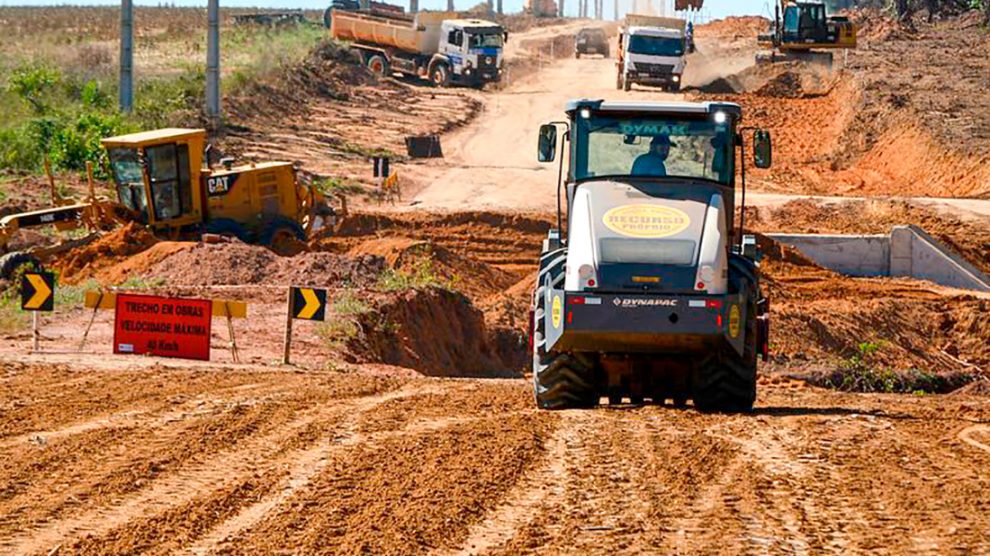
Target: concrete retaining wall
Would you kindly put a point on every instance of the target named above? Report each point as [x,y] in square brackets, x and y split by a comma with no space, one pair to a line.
[908,251]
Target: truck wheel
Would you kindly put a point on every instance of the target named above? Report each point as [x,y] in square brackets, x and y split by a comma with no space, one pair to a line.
[577,54]
[440,75]
[13,263]
[378,65]
[626,84]
[727,381]
[605,54]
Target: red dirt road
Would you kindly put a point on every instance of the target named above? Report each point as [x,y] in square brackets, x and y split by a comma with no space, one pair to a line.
[241,461]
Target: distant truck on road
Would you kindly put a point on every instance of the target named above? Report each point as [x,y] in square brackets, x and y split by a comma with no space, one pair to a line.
[591,40]
[652,51]
[436,46]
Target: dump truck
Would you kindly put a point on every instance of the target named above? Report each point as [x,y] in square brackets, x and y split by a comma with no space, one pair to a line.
[652,51]
[436,46]
[163,180]
[652,290]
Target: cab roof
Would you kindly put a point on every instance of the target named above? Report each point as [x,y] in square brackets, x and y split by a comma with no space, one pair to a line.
[154,136]
[654,107]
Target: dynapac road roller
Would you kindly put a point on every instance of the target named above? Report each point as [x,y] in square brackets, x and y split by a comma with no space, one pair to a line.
[651,291]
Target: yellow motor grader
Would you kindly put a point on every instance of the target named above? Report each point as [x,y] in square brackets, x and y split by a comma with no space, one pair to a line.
[161,181]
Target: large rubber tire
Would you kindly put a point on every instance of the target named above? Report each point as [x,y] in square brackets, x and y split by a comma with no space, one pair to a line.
[626,84]
[378,65]
[11,263]
[277,227]
[577,54]
[228,227]
[440,75]
[560,380]
[726,381]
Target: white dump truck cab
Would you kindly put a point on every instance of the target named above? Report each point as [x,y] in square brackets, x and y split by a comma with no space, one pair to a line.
[652,51]
[473,48]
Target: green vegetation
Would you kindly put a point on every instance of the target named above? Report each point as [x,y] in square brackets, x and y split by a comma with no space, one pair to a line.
[342,326]
[422,275]
[864,372]
[59,102]
[335,185]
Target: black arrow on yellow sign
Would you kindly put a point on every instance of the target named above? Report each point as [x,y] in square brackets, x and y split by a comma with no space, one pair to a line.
[38,291]
[308,303]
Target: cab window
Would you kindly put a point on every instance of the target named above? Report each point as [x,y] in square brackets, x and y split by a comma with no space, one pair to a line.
[169,176]
[129,177]
[455,37]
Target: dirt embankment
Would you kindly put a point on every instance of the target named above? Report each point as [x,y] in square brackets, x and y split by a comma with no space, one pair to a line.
[900,117]
[421,291]
[823,321]
[330,115]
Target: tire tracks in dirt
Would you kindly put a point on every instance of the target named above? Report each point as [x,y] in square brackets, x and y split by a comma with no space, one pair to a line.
[253,455]
[307,463]
[966,435]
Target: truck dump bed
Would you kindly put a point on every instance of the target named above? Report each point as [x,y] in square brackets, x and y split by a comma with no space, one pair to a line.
[419,36]
[640,20]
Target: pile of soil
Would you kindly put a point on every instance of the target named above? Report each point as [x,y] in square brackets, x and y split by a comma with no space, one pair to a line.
[435,331]
[330,71]
[239,263]
[470,276]
[86,262]
[734,27]
[506,241]
[874,26]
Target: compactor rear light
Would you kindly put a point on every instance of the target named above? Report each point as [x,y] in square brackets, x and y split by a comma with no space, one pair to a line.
[713,303]
[586,274]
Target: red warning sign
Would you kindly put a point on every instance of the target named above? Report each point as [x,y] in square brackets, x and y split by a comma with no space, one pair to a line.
[163,326]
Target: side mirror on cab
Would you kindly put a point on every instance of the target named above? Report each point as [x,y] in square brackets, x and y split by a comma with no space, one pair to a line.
[762,149]
[505,37]
[548,143]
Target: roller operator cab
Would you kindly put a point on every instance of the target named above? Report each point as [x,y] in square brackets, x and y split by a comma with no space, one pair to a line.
[161,179]
[651,291]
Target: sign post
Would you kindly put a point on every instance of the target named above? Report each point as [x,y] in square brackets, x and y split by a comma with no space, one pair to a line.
[305,304]
[37,294]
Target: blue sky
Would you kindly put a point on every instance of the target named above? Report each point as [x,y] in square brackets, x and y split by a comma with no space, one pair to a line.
[715,8]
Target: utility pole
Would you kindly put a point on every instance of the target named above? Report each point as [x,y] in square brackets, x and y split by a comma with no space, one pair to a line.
[413,6]
[450,5]
[126,96]
[499,7]
[213,64]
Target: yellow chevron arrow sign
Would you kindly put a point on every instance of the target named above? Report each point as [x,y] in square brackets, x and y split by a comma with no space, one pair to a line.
[38,291]
[308,303]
